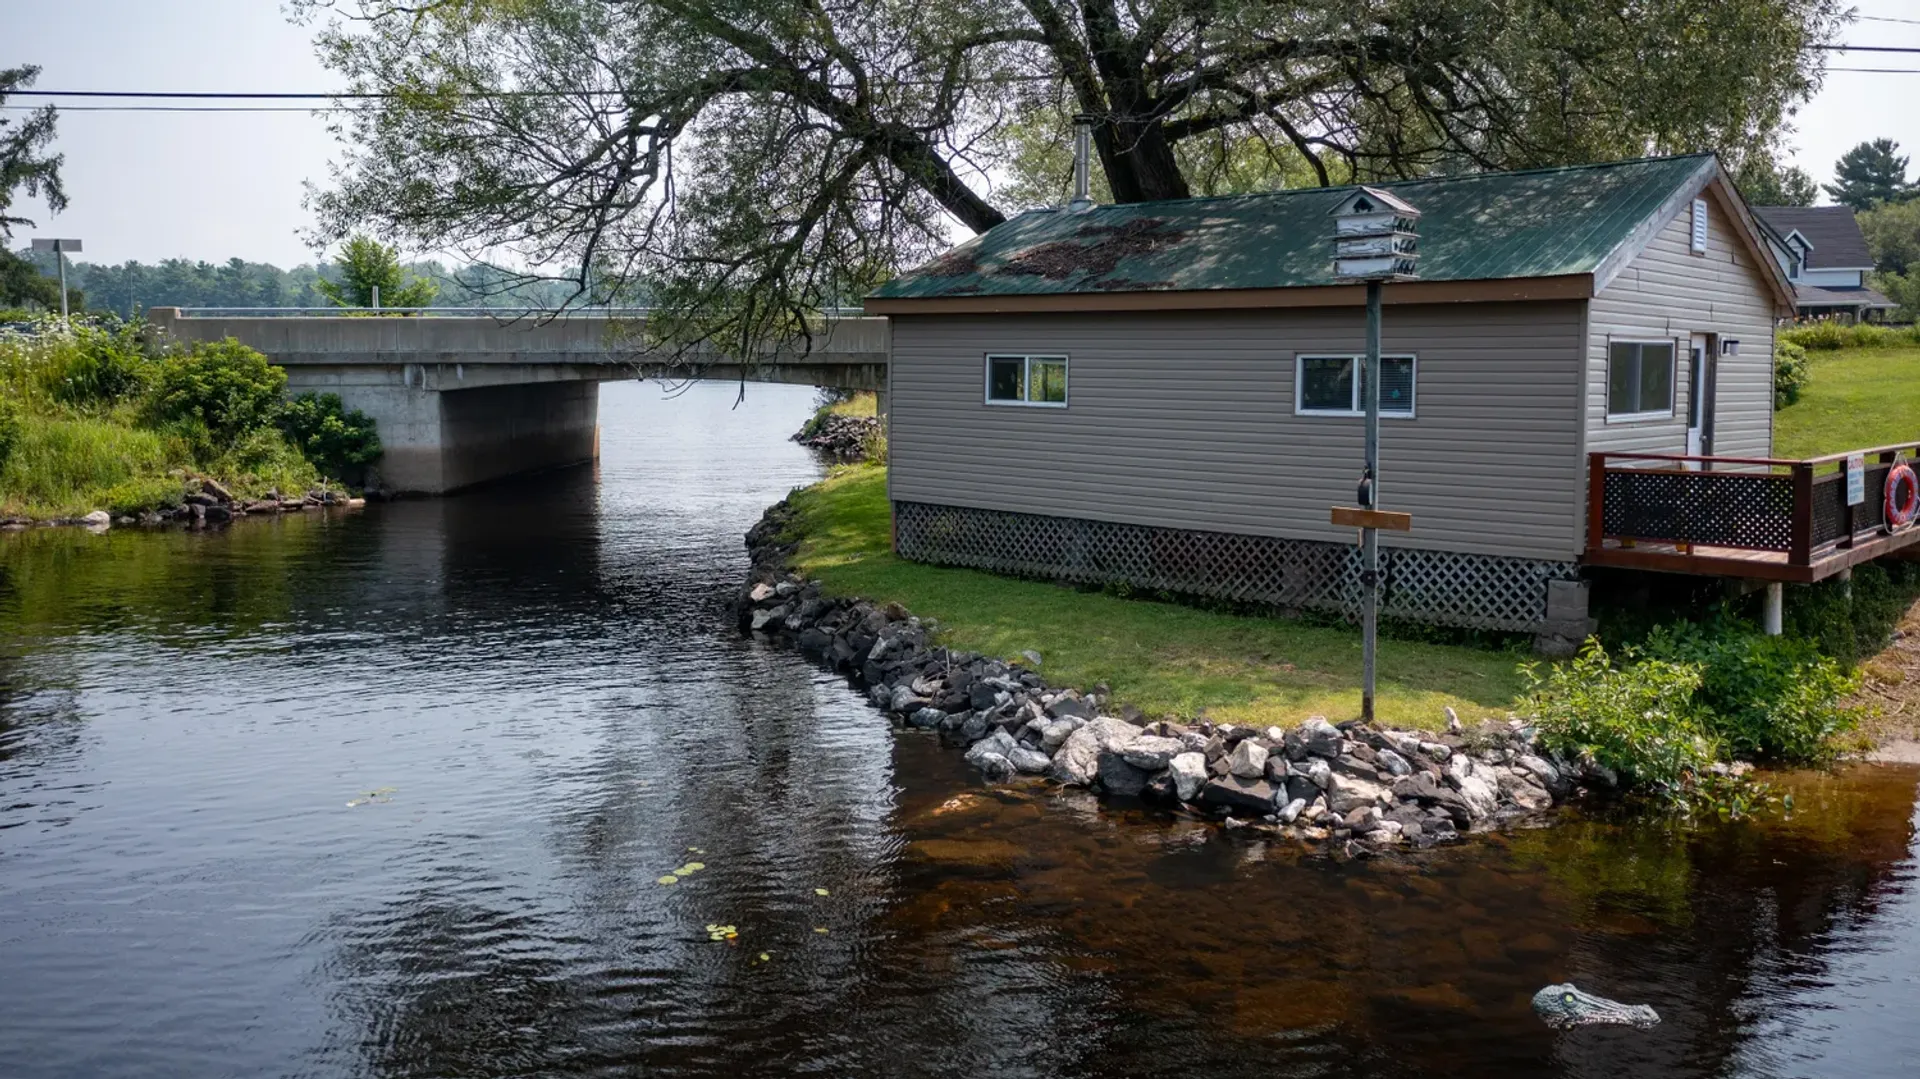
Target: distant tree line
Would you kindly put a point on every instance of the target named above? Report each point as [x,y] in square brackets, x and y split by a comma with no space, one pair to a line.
[133,287]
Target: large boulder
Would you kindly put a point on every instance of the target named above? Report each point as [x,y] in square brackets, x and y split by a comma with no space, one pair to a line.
[1320,738]
[1476,783]
[906,701]
[1349,793]
[1113,735]
[1151,752]
[1543,772]
[1029,761]
[1077,762]
[1057,731]
[1518,786]
[1119,777]
[1248,760]
[1317,771]
[1189,774]
[926,717]
[1393,763]
[1242,795]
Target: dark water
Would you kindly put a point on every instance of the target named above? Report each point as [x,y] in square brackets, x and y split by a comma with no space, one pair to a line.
[542,682]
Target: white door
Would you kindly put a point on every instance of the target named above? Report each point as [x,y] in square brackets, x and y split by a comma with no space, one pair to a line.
[1699,395]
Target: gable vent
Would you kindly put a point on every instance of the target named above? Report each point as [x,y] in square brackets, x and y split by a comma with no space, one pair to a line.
[1699,226]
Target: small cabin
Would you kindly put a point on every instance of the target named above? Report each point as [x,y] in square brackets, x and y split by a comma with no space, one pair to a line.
[1168,395]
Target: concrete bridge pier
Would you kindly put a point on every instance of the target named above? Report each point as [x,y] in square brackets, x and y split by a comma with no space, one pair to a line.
[445,427]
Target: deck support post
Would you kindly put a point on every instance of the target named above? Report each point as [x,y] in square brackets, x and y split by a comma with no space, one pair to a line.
[1370,488]
[1772,618]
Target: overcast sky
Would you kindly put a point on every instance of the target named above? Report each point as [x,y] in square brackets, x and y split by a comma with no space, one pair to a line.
[211,185]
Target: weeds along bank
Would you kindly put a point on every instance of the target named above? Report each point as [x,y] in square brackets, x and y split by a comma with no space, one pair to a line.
[1675,719]
[102,417]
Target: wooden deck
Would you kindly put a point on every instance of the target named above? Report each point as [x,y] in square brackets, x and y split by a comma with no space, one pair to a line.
[1757,518]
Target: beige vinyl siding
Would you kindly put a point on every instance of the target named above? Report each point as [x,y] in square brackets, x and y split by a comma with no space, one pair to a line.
[1186,420]
[1669,293]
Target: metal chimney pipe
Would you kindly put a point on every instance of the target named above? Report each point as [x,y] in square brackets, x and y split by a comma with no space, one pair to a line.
[1082,176]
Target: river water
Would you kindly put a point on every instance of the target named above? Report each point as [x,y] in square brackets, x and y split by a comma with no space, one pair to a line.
[537,699]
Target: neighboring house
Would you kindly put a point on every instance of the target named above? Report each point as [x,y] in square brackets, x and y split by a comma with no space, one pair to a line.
[1824,255]
[1164,394]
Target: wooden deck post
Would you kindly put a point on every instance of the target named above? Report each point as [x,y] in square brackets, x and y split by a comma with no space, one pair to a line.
[1800,552]
[1596,499]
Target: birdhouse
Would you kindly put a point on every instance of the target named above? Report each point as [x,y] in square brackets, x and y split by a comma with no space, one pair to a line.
[1375,237]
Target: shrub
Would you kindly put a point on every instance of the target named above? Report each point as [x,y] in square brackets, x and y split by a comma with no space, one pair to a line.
[1769,697]
[1829,334]
[339,442]
[62,466]
[222,388]
[95,364]
[1789,372]
[1638,719]
[261,459]
[1853,620]
[9,428]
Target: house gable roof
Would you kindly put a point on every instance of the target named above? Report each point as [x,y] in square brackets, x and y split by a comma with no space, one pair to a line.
[1534,233]
[1833,236]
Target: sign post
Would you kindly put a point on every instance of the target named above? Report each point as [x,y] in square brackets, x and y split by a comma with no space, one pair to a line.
[1375,241]
[60,248]
[1856,478]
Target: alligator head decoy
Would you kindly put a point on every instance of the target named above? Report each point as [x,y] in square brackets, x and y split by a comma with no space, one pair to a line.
[1563,1007]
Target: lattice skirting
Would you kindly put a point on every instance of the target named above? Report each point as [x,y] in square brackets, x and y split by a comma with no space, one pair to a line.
[1438,587]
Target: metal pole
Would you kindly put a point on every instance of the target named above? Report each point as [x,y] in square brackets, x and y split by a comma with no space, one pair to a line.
[1370,538]
[60,256]
[376,297]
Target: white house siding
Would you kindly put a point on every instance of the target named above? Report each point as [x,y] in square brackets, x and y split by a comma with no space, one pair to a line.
[1186,420]
[1668,292]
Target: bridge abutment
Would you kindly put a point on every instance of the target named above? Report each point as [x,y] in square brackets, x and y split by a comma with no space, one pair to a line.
[445,427]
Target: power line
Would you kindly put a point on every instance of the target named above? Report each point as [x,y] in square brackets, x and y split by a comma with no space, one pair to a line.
[1887,18]
[1866,48]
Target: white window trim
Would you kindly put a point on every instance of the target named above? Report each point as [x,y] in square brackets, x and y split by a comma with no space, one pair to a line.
[1026,378]
[1300,385]
[1673,377]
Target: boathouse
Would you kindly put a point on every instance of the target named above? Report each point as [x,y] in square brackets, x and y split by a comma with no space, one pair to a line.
[1165,394]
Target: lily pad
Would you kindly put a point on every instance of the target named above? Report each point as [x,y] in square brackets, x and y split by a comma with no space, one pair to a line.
[722,932]
[821,892]
[668,879]
[820,929]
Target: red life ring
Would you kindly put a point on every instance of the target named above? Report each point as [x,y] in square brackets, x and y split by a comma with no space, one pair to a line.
[1903,496]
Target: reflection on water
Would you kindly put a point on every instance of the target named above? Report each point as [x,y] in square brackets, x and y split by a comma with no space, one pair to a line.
[546,677]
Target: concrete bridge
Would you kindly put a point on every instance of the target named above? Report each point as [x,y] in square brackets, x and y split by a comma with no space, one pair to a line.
[461,398]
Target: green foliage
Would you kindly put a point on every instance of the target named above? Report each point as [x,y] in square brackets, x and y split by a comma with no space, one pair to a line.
[365,265]
[262,458]
[1869,174]
[221,388]
[60,466]
[1828,335]
[340,443]
[1765,183]
[24,163]
[1893,236]
[1638,719]
[96,365]
[22,283]
[1903,289]
[1773,698]
[1853,620]
[10,421]
[1789,372]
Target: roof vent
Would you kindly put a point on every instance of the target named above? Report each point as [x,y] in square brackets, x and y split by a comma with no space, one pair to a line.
[1082,176]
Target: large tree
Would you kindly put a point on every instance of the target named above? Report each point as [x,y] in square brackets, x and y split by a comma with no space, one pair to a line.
[24,162]
[1869,174]
[1764,182]
[748,161]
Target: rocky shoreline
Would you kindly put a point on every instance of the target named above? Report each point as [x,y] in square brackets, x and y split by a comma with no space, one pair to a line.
[207,502]
[842,438]
[1317,782]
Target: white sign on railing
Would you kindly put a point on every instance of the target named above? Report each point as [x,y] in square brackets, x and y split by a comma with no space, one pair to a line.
[1856,478]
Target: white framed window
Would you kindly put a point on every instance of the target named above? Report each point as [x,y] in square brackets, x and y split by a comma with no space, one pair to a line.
[1333,386]
[1032,381]
[1640,380]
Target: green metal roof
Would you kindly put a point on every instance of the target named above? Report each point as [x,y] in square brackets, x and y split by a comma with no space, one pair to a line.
[1479,227]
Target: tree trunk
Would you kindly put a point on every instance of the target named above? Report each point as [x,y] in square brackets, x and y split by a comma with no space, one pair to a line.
[1139,161]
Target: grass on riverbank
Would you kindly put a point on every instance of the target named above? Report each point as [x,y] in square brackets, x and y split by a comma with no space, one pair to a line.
[1160,657]
[1854,398]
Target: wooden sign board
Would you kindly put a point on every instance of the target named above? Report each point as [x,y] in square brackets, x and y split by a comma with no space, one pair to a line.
[1358,518]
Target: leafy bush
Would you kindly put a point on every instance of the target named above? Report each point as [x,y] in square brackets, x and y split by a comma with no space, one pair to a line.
[95,364]
[9,428]
[1768,697]
[222,388]
[339,442]
[1789,372]
[261,459]
[1853,620]
[1638,719]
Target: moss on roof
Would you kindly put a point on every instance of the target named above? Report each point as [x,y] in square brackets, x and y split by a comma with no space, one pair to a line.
[1477,227]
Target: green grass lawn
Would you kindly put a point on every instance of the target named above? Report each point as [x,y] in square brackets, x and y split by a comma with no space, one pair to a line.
[1163,658]
[1854,399]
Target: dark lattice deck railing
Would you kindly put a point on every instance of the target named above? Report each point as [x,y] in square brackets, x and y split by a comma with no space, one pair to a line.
[1438,587]
[1739,516]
